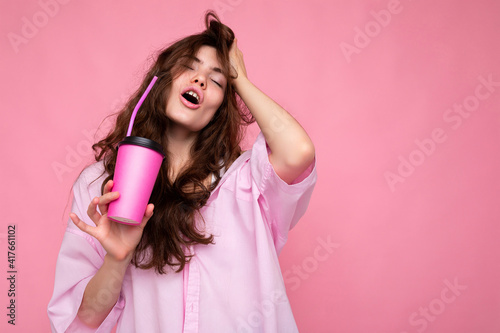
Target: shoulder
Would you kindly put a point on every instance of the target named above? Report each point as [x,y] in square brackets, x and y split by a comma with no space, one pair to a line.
[91,177]
[93,171]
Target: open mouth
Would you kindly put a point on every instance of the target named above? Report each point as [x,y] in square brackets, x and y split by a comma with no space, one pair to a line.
[192,97]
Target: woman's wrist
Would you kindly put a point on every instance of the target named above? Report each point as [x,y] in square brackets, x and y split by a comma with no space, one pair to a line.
[119,264]
[240,84]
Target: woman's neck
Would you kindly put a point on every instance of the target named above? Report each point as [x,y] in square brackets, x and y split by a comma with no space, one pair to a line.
[180,141]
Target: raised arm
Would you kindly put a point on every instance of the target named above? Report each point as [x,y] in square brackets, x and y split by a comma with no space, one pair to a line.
[292,151]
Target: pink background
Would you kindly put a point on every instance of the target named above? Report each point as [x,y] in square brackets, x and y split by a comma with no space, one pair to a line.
[371,94]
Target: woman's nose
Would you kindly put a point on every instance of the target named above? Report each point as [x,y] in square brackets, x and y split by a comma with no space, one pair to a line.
[201,80]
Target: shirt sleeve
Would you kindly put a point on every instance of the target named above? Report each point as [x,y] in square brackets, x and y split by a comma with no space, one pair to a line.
[282,204]
[79,259]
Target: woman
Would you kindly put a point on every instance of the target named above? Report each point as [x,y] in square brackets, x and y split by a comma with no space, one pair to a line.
[205,257]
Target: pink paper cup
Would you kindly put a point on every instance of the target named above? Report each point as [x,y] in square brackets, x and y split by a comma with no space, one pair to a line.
[137,166]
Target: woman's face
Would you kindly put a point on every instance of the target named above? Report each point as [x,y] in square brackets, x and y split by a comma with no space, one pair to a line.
[198,92]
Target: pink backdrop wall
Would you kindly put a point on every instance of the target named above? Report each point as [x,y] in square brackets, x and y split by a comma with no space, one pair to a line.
[400,97]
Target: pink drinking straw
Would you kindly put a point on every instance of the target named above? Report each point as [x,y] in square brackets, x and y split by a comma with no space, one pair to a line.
[143,97]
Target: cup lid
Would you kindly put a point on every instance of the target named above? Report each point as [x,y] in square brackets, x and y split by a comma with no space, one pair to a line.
[143,142]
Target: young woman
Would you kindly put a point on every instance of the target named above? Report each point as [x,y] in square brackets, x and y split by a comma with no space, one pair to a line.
[205,257]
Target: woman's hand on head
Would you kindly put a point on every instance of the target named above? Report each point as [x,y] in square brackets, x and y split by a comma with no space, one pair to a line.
[237,62]
[119,240]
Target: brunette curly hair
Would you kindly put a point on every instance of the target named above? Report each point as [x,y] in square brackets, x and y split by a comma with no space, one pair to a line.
[172,228]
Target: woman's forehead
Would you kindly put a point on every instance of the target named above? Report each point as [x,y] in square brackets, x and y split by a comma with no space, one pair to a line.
[207,55]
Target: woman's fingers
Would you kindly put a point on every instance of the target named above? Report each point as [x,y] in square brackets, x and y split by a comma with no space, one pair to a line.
[108,186]
[105,199]
[107,189]
[103,203]
[81,225]
[236,59]
[147,215]
[234,46]
[92,211]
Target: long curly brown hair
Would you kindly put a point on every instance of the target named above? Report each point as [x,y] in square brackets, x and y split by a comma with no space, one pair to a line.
[172,227]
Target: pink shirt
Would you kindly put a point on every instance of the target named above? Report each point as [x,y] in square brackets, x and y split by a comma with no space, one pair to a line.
[233,286]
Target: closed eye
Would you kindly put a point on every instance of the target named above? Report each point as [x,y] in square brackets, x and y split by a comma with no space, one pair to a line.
[217,83]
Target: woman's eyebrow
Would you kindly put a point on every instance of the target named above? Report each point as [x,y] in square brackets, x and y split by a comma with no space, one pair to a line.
[215,69]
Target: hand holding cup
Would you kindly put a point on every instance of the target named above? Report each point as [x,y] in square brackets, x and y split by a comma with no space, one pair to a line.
[119,240]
